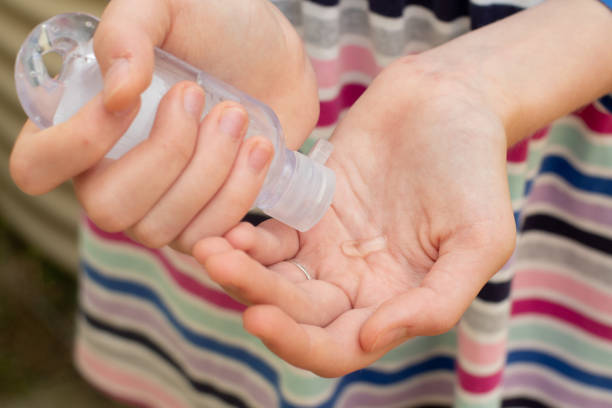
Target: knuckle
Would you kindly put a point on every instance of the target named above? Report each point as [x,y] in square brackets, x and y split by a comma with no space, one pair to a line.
[178,149]
[151,234]
[21,172]
[105,212]
[185,242]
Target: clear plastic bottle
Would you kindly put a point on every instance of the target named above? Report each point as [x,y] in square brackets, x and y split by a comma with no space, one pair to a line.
[298,189]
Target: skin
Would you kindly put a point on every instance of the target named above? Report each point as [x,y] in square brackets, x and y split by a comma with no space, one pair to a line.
[437,136]
[155,193]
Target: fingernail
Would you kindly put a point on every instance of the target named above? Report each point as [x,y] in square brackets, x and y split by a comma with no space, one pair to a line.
[389,337]
[258,157]
[232,122]
[115,77]
[193,101]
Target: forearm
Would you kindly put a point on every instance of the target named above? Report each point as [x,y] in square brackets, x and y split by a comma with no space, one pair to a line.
[539,64]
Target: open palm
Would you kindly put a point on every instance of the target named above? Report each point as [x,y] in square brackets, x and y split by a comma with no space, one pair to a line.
[421,219]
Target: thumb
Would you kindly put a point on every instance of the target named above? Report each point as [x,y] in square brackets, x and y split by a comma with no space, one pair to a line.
[444,295]
[124,42]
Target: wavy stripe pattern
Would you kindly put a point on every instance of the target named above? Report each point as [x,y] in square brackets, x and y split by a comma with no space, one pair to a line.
[155,331]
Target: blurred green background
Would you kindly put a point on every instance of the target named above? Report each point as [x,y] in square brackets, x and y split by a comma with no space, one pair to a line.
[38,257]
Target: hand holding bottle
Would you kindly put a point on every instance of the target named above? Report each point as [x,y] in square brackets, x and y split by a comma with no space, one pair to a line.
[157,191]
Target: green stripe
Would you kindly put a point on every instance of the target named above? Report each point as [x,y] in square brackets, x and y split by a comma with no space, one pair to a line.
[420,346]
[563,340]
[516,183]
[491,402]
[570,137]
[534,158]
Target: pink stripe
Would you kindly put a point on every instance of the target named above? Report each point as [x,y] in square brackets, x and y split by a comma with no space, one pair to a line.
[351,58]
[480,353]
[186,282]
[518,152]
[589,296]
[330,110]
[124,379]
[596,120]
[542,133]
[478,384]
[544,307]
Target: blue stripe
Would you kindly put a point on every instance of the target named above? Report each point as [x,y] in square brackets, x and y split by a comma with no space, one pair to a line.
[483,15]
[560,166]
[370,376]
[606,101]
[517,219]
[567,370]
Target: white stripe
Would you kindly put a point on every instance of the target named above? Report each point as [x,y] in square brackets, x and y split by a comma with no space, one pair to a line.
[348,77]
[601,108]
[449,29]
[504,274]
[478,399]
[482,369]
[515,3]
[517,169]
[323,132]
[332,12]
[519,203]
[491,308]
[480,337]
[333,52]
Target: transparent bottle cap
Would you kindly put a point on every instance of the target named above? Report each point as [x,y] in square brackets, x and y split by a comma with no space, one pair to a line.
[308,195]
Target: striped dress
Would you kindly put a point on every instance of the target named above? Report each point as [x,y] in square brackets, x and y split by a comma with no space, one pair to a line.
[154,331]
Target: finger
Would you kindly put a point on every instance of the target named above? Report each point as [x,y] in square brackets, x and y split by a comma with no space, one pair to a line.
[313,302]
[219,139]
[235,197]
[123,42]
[329,352]
[455,279]
[270,242]
[43,159]
[117,195]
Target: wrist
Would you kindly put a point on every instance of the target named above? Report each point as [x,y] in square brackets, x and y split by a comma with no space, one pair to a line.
[530,73]
[444,80]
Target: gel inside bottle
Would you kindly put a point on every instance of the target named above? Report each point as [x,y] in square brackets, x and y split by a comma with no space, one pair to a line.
[298,189]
